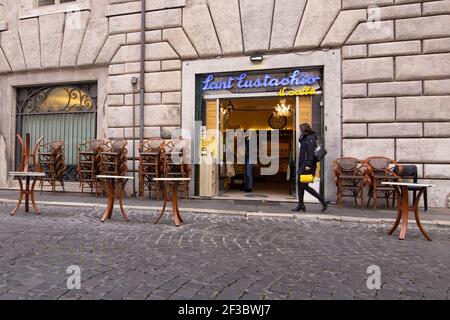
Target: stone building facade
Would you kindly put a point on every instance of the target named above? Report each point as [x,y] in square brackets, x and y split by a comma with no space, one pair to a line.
[386,68]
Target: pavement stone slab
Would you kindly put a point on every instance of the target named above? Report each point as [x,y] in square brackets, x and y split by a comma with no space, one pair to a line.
[214,256]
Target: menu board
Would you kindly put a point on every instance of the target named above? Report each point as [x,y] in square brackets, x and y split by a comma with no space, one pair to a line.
[211,117]
[305,110]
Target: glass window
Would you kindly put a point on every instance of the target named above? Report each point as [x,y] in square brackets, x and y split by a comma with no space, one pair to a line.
[59,113]
[42,3]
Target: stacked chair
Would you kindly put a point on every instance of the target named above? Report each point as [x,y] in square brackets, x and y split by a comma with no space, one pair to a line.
[89,156]
[113,162]
[113,159]
[50,160]
[174,164]
[353,175]
[163,158]
[379,170]
[350,177]
[150,165]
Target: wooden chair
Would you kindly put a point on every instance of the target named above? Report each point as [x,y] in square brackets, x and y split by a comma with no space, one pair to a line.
[113,159]
[174,163]
[410,172]
[350,177]
[113,162]
[89,164]
[381,169]
[150,165]
[50,160]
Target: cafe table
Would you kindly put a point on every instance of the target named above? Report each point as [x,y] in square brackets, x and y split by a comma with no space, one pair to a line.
[116,190]
[30,182]
[402,189]
[169,187]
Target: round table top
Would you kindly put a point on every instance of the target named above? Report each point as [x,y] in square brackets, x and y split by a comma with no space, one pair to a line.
[407,184]
[114,177]
[27,174]
[171,179]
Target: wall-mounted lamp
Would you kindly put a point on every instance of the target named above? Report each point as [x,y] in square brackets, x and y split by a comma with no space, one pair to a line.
[256,58]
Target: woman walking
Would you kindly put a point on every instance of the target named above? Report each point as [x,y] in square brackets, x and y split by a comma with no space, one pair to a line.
[307,165]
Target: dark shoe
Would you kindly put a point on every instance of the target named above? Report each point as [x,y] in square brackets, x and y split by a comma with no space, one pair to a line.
[325,205]
[299,208]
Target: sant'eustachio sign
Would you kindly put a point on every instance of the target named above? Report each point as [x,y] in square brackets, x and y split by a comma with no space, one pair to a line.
[242,81]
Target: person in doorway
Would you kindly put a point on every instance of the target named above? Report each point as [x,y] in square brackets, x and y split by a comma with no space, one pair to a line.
[307,164]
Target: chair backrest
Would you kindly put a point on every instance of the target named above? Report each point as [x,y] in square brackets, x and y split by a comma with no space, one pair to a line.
[55,145]
[94,144]
[407,171]
[347,165]
[91,145]
[176,146]
[117,145]
[52,149]
[380,165]
[152,145]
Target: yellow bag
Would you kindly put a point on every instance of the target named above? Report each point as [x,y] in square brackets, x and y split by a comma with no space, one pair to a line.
[306,178]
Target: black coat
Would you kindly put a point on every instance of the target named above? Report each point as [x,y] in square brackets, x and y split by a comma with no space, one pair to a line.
[307,156]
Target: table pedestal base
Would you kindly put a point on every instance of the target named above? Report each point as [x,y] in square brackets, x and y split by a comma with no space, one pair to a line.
[29,193]
[170,194]
[403,210]
[115,191]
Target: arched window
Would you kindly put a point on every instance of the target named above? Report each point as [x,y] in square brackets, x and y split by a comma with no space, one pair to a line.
[64,112]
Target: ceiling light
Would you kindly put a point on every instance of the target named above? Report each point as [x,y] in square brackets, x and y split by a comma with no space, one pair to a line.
[282,110]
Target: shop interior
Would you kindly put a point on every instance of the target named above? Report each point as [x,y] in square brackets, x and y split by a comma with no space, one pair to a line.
[254,116]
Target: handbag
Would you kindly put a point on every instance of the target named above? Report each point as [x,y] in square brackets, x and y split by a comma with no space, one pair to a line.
[320,153]
[306,178]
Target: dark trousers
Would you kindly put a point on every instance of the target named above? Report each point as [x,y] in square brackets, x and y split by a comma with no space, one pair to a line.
[302,187]
[248,177]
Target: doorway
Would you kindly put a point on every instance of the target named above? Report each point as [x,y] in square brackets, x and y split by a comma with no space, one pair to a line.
[263,127]
[244,176]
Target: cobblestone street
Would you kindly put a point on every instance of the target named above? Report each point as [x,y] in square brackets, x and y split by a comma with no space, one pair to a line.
[214,257]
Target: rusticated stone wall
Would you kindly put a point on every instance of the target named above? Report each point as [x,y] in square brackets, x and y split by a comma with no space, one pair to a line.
[395,76]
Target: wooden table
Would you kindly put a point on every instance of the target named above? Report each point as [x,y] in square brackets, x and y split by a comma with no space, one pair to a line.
[116,189]
[170,194]
[402,189]
[28,191]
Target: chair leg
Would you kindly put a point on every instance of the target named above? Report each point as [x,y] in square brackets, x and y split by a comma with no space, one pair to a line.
[369,196]
[375,197]
[339,196]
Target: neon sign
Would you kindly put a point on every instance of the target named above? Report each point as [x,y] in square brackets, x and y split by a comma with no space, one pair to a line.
[305,91]
[242,81]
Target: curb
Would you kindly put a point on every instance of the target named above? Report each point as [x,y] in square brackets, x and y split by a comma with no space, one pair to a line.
[245,214]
